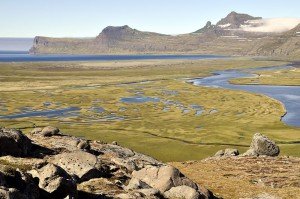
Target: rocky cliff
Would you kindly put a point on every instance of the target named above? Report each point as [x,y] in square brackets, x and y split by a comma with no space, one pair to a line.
[230,36]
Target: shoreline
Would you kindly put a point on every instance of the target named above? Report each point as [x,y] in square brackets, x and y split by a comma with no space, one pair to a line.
[192,81]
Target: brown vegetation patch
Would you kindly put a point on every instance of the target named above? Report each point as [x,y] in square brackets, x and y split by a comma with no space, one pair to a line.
[244,177]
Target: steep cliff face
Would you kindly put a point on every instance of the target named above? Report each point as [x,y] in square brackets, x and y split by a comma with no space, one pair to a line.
[47,45]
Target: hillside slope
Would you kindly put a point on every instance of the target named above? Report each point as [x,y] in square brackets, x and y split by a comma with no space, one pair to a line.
[285,44]
[246,177]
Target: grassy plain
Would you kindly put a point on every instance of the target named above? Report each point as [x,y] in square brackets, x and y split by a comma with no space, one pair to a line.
[282,77]
[169,132]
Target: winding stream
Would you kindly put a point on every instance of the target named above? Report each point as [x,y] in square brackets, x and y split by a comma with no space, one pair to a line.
[288,95]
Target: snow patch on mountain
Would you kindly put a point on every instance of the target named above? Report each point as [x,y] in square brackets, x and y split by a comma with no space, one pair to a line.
[225,25]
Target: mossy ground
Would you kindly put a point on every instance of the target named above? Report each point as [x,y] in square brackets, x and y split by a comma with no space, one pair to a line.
[169,135]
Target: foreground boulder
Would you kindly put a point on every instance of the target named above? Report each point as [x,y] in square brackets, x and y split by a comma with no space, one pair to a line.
[182,192]
[49,131]
[169,181]
[127,158]
[262,145]
[82,165]
[162,178]
[83,145]
[13,142]
[17,185]
[55,181]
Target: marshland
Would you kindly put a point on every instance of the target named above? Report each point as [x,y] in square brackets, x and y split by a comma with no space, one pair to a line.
[148,105]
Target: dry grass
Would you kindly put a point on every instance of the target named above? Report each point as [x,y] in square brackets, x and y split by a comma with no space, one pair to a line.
[246,177]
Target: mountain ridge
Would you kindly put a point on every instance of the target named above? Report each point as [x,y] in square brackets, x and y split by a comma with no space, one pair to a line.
[226,37]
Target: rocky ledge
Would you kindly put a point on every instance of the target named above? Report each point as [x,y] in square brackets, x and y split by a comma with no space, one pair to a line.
[49,164]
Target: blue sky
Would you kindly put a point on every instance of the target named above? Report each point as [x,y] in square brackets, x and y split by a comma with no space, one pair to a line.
[79,18]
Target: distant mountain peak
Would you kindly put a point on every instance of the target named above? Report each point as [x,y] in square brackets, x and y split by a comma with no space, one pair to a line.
[117,29]
[117,32]
[235,20]
[109,29]
[233,13]
[121,33]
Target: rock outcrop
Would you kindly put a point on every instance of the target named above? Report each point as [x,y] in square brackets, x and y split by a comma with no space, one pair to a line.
[55,181]
[262,145]
[82,165]
[166,180]
[13,142]
[182,192]
[49,131]
[127,158]
[227,153]
[79,168]
[17,184]
[208,27]
[162,178]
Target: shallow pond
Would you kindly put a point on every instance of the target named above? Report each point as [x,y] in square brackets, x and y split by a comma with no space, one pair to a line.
[199,110]
[139,99]
[97,109]
[28,112]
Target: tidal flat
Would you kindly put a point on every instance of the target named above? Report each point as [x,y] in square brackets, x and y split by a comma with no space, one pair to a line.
[166,117]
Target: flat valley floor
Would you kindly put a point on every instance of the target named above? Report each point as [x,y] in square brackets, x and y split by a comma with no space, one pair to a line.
[147,106]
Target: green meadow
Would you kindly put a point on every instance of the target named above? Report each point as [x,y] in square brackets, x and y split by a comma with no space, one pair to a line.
[180,121]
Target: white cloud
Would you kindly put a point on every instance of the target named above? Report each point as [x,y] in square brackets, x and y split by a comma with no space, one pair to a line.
[271,25]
